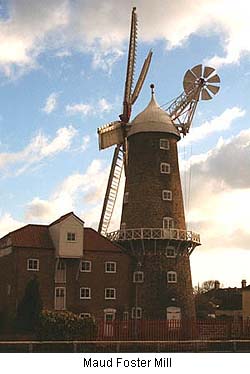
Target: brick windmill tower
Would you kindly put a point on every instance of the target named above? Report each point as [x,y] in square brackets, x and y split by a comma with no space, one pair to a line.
[153,228]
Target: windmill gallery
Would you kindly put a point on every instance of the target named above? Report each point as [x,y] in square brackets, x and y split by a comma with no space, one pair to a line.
[142,270]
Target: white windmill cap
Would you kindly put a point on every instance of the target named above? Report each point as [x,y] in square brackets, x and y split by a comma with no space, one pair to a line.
[153,119]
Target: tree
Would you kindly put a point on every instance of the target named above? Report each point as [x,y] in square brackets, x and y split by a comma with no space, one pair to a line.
[30,307]
[205,287]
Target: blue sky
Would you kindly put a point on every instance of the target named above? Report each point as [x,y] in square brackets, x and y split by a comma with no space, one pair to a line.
[62,70]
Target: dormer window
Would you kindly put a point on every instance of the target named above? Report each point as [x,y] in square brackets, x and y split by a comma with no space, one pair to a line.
[71,236]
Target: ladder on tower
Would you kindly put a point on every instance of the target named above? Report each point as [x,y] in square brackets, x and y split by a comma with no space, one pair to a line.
[112,190]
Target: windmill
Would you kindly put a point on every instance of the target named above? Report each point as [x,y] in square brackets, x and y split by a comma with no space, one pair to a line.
[115,132]
[200,83]
[153,227]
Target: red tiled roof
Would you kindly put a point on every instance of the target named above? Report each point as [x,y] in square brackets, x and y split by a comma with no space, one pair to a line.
[38,236]
[32,236]
[93,241]
[65,216]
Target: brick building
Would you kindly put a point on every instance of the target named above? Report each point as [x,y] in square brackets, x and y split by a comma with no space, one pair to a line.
[77,269]
[153,227]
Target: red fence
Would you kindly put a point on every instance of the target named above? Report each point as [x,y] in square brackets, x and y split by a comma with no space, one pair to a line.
[172,330]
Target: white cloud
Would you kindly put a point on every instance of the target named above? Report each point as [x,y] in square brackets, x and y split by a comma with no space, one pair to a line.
[219,194]
[104,105]
[38,149]
[51,103]
[218,124]
[76,191]
[85,142]
[8,224]
[25,34]
[89,109]
[84,109]
[32,27]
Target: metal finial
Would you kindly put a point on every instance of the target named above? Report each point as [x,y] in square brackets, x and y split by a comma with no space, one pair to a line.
[152,86]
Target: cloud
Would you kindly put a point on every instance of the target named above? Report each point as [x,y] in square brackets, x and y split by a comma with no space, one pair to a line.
[51,103]
[59,25]
[27,31]
[75,191]
[85,142]
[86,109]
[8,224]
[217,124]
[104,105]
[40,147]
[219,194]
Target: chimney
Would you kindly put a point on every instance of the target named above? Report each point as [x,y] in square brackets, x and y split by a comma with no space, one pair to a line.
[243,283]
[216,285]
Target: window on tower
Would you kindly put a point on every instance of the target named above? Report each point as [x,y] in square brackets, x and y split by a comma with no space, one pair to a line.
[164,144]
[125,201]
[165,168]
[168,223]
[167,195]
[170,252]
[138,277]
[171,277]
[123,226]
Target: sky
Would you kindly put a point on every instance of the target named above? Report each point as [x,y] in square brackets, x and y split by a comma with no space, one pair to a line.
[62,71]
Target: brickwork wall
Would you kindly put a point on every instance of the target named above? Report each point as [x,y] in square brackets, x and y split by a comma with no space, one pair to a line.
[98,280]
[7,282]
[45,275]
[145,209]
[145,182]
[155,294]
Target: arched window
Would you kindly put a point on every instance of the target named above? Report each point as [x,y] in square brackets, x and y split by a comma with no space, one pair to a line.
[171,277]
[168,223]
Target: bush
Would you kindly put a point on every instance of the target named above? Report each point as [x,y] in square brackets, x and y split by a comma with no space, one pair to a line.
[64,325]
[29,308]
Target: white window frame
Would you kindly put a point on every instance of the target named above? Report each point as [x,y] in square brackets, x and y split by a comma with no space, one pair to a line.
[168,249]
[110,297]
[170,223]
[126,195]
[123,226]
[110,264]
[136,313]
[165,168]
[138,276]
[164,144]
[125,316]
[8,289]
[61,271]
[64,297]
[170,276]
[32,262]
[167,195]
[84,315]
[86,270]
[85,289]
[71,236]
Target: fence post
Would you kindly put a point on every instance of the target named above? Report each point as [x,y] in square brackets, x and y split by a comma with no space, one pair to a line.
[30,347]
